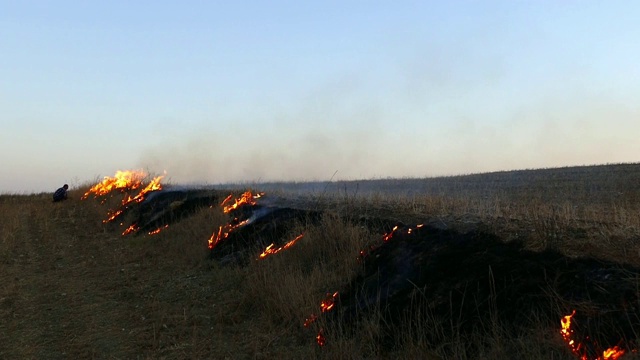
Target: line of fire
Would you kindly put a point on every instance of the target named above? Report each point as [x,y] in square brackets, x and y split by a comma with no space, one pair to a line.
[473,276]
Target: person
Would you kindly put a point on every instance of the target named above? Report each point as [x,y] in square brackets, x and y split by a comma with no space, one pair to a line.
[61,193]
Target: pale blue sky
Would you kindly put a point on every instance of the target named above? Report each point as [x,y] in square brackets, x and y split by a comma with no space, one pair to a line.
[216,91]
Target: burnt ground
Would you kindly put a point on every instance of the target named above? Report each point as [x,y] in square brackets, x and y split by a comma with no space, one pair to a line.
[266,226]
[431,274]
[478,279]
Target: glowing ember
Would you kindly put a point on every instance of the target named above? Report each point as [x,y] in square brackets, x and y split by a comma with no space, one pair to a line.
[156,231]
[123,180]
[112,215]
[329,302]
[320,339]
[388,236]
[578,348]
[270,250]
[223,233]
[395,230]
[130,229]
[326,305]
[310,320]
[246,198]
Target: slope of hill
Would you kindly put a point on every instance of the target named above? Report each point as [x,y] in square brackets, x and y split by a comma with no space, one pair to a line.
[74,287]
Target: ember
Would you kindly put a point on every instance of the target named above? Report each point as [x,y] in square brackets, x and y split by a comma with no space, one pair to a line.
[310,320]
[328,303]
[386,237]
[270,250]
[325,306]
[396,230]
[320,339]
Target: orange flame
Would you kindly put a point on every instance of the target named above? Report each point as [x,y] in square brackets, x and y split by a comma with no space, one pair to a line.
[112,215]
[270,249]
[130,229]
[613,353]
[223,233]
[154,185]
[385,237]
[389,235]
[156,231]
[130,179]
[226,199]
[246,198]
[326,305]
[124,180]
[329,302]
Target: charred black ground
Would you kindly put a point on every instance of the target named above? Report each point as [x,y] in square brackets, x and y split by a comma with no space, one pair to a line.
[434,275]
[428,274]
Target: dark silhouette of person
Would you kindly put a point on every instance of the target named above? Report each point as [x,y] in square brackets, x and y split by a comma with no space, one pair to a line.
[61,193]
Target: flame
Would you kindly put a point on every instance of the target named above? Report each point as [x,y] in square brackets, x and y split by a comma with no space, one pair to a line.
[388,236]
[395,230]
[613,353]
[154,185]
[246,198]
[156,231]
[226,199]
[223,233]
[130,229]
[270,249]
[112,215]
[326,305]
[123,180]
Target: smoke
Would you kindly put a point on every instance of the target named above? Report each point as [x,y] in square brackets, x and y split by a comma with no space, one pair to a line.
[431,116]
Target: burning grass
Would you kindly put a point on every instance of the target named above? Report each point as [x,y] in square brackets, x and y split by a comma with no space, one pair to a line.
[74,287]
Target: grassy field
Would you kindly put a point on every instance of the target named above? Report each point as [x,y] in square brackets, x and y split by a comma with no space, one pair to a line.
[73,287]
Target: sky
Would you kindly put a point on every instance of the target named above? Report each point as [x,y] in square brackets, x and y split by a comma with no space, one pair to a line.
[213,92]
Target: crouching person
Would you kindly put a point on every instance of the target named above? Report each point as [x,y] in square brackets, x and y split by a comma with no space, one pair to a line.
[61,193]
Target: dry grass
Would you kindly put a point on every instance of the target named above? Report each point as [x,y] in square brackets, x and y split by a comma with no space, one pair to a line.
[74,288]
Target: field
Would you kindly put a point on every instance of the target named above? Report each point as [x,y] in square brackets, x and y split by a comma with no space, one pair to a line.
[73,287]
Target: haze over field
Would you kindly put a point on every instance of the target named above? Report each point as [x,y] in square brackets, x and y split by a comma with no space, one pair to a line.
[218,92]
